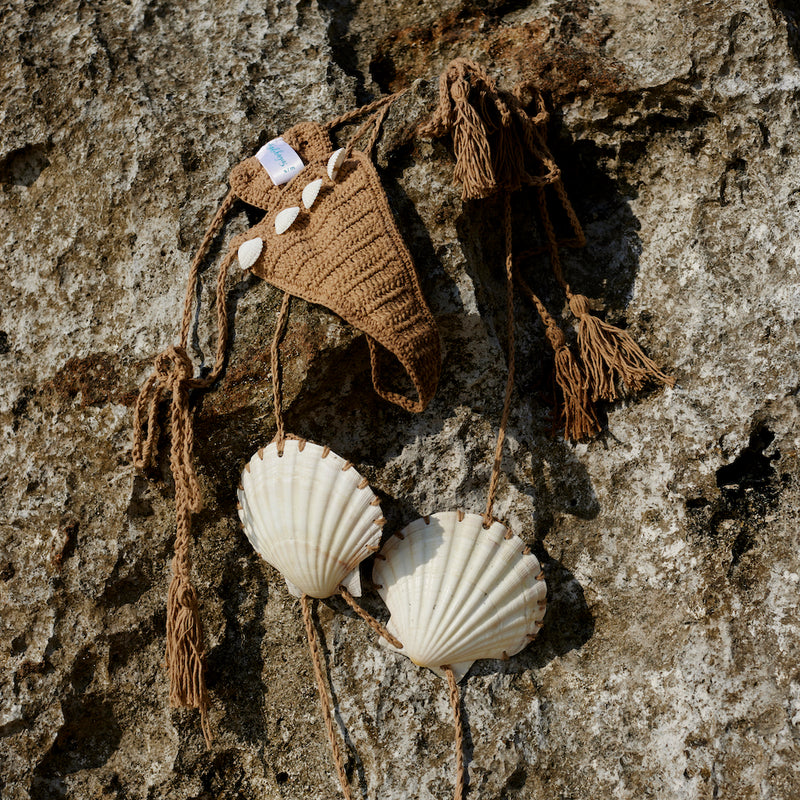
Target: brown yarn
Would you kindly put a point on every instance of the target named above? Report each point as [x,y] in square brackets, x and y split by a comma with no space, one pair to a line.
[579,415]
[609,353]
[277,392]
[455,704]
[489,129]
[501,435]
[355,113]
[492,135]
[173,378]
[346,252]
[369,619]
[375,122]
[327,714]
[379,293]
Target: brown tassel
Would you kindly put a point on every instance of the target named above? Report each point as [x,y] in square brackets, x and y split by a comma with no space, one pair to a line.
[486,143]
[184,653]
[474,169]
[184,649]
[580,418]
[611,354]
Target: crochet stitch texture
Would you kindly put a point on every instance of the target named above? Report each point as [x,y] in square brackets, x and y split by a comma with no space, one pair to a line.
[346,254]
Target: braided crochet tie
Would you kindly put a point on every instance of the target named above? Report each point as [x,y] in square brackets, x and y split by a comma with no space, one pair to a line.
[455,704]
[173,374]
[327,713]
[173,379]
[500,148]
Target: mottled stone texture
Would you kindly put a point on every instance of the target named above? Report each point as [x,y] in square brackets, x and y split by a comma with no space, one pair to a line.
[668,665]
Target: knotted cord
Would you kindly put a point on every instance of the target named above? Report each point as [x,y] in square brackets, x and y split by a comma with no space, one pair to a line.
[490,131]
[173,379]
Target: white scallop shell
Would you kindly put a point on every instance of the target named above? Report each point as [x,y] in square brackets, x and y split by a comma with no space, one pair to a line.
[311,515]
[285,218]
[458,592]
[335,162]
[310,192]
[249,252]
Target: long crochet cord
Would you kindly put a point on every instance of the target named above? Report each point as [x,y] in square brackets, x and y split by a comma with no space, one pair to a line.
[494,140]
[173,377]
[501,434]
[455,704]
[327,714]
[490,132]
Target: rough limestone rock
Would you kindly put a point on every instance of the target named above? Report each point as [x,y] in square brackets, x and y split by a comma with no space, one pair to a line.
[668,664]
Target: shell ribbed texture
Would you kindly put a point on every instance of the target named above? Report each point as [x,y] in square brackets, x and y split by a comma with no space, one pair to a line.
[307,516]
[458,592]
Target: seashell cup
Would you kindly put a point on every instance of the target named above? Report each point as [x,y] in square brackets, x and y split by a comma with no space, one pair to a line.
[311,515]
[458,592]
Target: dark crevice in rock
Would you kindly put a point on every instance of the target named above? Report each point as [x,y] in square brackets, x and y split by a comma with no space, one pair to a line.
[127,645]
[751,468]
[132,576]
[790,11]
[19,408]
[22,167]
[83,669]
[748,488]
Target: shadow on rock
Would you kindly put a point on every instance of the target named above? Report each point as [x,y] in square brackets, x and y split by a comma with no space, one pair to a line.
[89,737]
[235,664]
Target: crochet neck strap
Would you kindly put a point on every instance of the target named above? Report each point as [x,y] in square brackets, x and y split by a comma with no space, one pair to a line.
[500,148]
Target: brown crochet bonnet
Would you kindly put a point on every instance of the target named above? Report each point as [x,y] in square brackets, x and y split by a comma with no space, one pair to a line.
[346,254]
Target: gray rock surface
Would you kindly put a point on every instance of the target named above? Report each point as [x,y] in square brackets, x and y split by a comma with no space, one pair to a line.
[668,665]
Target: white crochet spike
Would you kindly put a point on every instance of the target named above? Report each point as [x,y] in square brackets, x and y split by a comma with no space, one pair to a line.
[285,218]
[311,515]
[249,252]
[310,192]
[458,592]
[335,162]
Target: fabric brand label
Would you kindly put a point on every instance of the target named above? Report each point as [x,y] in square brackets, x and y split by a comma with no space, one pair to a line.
[280,161]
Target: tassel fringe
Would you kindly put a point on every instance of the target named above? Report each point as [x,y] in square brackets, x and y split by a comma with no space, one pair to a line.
[185,656]
[611,355]
[580,418]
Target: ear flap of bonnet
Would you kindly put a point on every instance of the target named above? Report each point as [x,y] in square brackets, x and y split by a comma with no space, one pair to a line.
[345,253]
